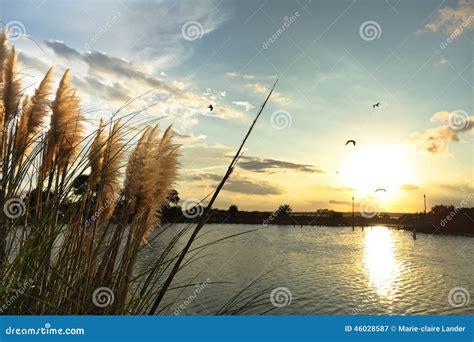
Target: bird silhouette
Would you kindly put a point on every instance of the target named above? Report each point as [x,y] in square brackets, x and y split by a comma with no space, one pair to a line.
[350,141]
[380,189]
[211,107]
[376,105]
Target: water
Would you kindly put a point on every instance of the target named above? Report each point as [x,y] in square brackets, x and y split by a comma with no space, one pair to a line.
[330,271]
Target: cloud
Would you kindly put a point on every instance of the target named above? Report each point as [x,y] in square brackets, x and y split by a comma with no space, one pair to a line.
[333,189]
[103,65]
[118,79]
[434,140]
[408,187]
[268,165]
[453,20]
[115,92]
[33,62]
[245,186]
[442,61]
[437,140]
[189,137]
[62,50]
[237,75]
[246,105]
[339,202]
[263,89]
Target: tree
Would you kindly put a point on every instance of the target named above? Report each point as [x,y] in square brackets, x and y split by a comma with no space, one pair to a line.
[284,208]
[233,209]
[441,210]
[173,197]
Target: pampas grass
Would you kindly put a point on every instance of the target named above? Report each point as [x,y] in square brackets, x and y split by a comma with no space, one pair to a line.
[79,207]
[65,243]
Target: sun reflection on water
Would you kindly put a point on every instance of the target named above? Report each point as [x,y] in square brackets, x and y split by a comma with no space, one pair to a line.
[380,261]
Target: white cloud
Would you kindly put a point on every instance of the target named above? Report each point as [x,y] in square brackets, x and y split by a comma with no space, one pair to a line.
[263,89]
[234,74]
[436,140]
[453,20]
[246,105]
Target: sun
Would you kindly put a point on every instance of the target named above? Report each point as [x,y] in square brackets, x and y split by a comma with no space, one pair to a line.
[377,167]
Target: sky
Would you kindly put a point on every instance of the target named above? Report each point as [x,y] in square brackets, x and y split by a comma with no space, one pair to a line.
[334,61]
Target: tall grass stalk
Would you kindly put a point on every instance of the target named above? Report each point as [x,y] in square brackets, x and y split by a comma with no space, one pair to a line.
[207,210]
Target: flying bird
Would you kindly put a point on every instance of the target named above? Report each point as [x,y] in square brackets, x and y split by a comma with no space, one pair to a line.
[350,141]
[376,105]
[211,107]
[381,189]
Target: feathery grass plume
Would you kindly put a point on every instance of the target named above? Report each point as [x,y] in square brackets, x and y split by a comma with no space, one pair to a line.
[134,170]
[111,172]
[165,172]
[96,155]
[34,111]
[3,57]
[11,86]
[3,51]
[159,173]
[66,129]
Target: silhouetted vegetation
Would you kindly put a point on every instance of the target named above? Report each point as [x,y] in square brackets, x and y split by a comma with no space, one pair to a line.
[441,219]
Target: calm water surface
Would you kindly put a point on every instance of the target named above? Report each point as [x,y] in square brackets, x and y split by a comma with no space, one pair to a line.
[330,271]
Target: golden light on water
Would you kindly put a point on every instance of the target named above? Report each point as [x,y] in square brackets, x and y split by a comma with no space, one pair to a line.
[380,261]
